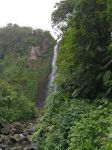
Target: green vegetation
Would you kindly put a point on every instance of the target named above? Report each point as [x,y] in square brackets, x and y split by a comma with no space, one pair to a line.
[79,115]
[22,77]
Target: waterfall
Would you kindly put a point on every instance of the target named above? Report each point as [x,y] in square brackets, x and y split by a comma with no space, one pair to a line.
[51,85]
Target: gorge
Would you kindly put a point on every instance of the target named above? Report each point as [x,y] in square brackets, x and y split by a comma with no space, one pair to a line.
[25,62]
[60,102]
[18,135]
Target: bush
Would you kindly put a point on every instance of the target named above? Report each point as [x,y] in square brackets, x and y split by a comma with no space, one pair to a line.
[74,124]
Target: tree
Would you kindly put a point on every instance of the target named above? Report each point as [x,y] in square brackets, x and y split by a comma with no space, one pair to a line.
[89,31]
[60,16]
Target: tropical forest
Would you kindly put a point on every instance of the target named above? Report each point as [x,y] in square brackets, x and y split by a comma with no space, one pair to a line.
[56,94]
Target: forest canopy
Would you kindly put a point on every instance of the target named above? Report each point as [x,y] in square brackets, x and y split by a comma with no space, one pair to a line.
[79,115]
[22,71]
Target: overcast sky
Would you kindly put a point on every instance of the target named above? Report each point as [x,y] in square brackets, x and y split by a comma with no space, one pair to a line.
[34,13]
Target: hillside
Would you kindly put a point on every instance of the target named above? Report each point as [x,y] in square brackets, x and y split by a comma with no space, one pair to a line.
[25,62]
[78,116]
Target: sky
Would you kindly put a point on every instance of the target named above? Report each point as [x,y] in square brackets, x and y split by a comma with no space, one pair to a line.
[34,13]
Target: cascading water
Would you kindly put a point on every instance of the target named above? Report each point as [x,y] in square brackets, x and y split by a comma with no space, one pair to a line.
[28,127]
[51,85]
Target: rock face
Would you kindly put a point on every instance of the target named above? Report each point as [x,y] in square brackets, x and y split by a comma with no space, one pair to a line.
[34,53]
[17,136]
[1,125]
[33,56]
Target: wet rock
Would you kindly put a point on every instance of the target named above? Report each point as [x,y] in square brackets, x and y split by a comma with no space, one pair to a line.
[29,138]
[0,141]
[17,128]
[32,129]
[2,146]
[25,133]
[16,148]
[15,138]
[1,125]
[5,131]
[29,148]
[13,131]
[7,141]
[2,138]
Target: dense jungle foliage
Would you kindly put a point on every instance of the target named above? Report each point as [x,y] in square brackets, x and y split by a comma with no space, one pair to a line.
[21,77]
[79,115]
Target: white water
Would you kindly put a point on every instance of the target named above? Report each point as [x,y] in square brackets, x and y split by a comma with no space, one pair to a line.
[51,84]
